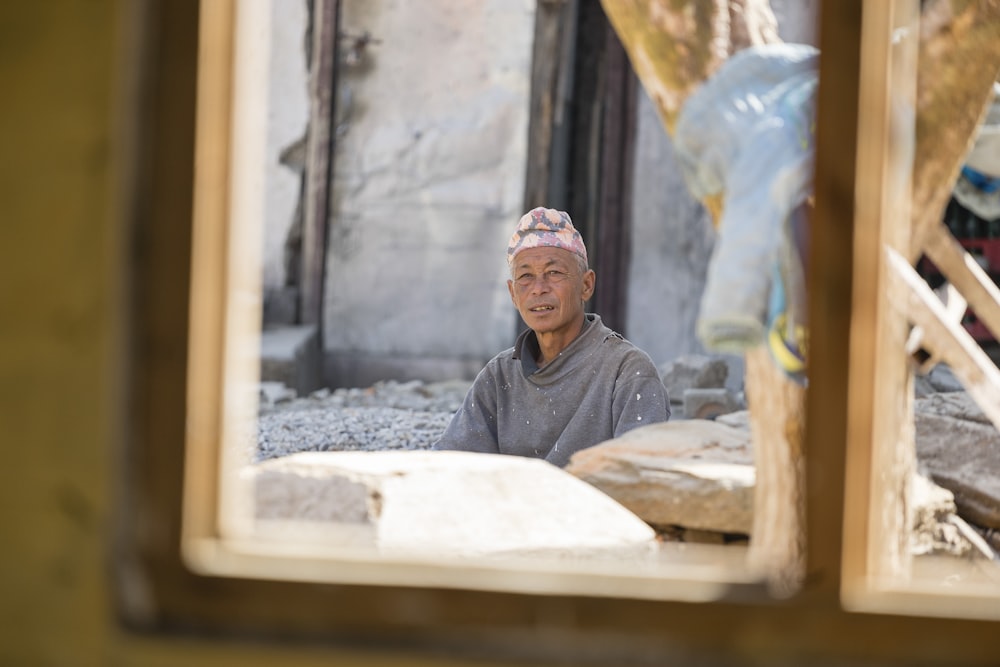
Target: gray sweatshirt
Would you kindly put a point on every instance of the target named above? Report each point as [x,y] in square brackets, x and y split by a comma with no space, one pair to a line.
[598,388]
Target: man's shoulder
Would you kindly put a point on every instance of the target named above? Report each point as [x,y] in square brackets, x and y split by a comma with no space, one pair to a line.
[626,352]
[504,356]
[616,342]
[501,361]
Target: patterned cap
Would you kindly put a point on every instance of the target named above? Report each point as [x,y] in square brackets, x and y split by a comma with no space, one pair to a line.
[545,227]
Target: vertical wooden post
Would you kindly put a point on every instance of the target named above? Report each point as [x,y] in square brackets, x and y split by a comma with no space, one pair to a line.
[777,549]
[876,447]
[881,459]
[319,157]
[613,211]
[550,79]
[209,270]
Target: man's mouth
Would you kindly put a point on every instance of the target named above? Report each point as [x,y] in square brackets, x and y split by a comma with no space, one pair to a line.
[541,309]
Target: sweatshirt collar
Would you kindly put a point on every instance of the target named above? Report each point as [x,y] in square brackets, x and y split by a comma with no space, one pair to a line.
[526,347]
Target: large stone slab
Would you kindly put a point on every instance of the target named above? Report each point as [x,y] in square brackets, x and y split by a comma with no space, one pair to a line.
[431,503]
[959,448]
[697,474]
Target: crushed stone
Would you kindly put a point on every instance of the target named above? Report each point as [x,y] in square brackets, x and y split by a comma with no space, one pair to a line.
[389,415]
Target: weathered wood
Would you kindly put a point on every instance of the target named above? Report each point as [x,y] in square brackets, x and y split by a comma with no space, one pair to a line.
[550,76]
[965,274]
[925,360]
[618,90]
[319,165]
[945,337]
[958,63]
[777,407]
[881,458]
[206,351]
[675,46]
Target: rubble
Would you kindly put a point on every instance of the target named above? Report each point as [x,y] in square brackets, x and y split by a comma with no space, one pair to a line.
[690,479]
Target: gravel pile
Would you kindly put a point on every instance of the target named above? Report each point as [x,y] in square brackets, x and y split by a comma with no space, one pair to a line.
[386,416]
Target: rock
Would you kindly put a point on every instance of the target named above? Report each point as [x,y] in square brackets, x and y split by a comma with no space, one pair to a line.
[710,403]
[288,431]
[960,450]
[936,527]
[442,503]
[697,474]
[739,419]
[941,379]
[958,405]
[694,371]
[292,355]
[697,384]
[272,393]
[697,477]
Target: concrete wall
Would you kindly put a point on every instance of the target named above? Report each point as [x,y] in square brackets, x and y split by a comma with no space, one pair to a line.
[428,184]
[287,118]
[672,234]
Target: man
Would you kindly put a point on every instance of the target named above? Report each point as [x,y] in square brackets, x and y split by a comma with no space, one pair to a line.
[569,382]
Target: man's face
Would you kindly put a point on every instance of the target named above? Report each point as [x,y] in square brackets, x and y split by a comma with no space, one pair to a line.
[549,288]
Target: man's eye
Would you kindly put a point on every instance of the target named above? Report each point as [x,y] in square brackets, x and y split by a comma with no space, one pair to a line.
[556,276]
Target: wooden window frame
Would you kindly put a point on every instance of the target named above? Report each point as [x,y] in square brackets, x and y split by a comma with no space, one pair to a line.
[169,494]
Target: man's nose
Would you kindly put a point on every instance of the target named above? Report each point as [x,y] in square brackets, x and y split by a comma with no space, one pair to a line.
[540,284]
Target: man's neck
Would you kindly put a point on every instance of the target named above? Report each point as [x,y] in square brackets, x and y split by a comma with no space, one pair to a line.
[550,344]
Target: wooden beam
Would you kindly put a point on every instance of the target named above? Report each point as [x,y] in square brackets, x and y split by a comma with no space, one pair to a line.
[959,61]
[613,246]
[925,360]
[881,458]
[319,158]
[209,264]
[551,77]
[965,274]
[945,338]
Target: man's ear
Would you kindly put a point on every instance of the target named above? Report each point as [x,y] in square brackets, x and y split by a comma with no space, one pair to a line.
[510,288]
[589,280]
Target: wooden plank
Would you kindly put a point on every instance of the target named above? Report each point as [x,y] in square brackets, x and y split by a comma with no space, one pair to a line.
[319,158]
[945,338]
[553,26]
[209,267]
[833,314]
[959,61]
[877,543]
[924,359]
[778,543]
[965,274]
[613,215]
[854,413]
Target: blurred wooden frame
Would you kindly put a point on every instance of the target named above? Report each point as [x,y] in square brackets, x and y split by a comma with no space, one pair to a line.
[878,573]
[217,589]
